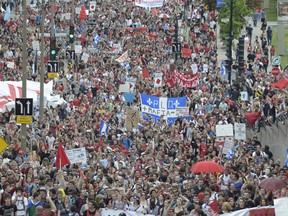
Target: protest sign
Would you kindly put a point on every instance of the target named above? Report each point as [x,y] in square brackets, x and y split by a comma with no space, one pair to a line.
[240,131]
[77,155]
[224,130]
[182,111]
[132,119]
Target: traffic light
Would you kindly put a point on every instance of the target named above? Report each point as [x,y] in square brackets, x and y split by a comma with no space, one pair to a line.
[53,50]
[71,34]
[241,48]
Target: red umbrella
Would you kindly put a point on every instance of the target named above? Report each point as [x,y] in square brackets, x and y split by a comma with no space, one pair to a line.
[163,16]
[142,28]
[273,183]
[129,28]
[207,167]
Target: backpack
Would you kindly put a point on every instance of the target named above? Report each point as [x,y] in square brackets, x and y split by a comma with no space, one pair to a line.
[21,202]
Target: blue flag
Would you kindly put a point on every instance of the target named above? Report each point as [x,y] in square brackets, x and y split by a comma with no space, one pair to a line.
[8,13]
[129,97]
[156,107]
[103,128]
[96,39]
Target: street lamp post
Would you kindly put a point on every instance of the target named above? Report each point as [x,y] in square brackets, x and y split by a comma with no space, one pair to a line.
[230,42]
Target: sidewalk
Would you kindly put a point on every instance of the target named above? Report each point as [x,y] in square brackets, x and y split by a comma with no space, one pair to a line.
[256,32]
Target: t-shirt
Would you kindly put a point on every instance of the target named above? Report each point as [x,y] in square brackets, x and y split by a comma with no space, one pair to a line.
[8,210]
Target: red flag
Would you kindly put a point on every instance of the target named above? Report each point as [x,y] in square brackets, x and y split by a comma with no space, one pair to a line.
[251,117]
[145,73]
[61,158]
[283,83]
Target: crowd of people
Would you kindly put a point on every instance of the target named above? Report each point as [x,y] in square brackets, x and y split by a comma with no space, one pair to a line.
[145,170]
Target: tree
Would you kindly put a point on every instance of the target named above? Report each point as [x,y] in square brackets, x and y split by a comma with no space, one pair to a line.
[240,10]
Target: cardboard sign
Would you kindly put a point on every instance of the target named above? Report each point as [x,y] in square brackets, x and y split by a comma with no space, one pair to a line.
[132,119]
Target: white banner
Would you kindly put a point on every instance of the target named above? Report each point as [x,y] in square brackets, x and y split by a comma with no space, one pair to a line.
[77,155]
[240,131]
[149,3]
[10,90]
[224,130]
[111,212]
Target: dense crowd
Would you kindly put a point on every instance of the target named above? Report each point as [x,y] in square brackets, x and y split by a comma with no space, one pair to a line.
[146,170]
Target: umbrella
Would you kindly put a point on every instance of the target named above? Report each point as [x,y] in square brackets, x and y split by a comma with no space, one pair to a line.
[129,29]
[273,183]
[143,28]
[163,16]
[206,167]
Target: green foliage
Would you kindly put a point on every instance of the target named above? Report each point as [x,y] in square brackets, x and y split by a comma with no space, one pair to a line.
[240,10]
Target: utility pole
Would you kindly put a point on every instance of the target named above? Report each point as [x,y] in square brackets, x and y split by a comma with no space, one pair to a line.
[176,37]
[72,21]
[24,75]
[53,20]
[73,13]
[230,42]
[42,64]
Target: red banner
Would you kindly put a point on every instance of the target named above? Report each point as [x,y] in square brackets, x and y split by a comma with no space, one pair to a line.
[179,79]
[261,212]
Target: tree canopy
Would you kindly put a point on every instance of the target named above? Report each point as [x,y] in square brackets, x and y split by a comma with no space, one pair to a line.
[240,10]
